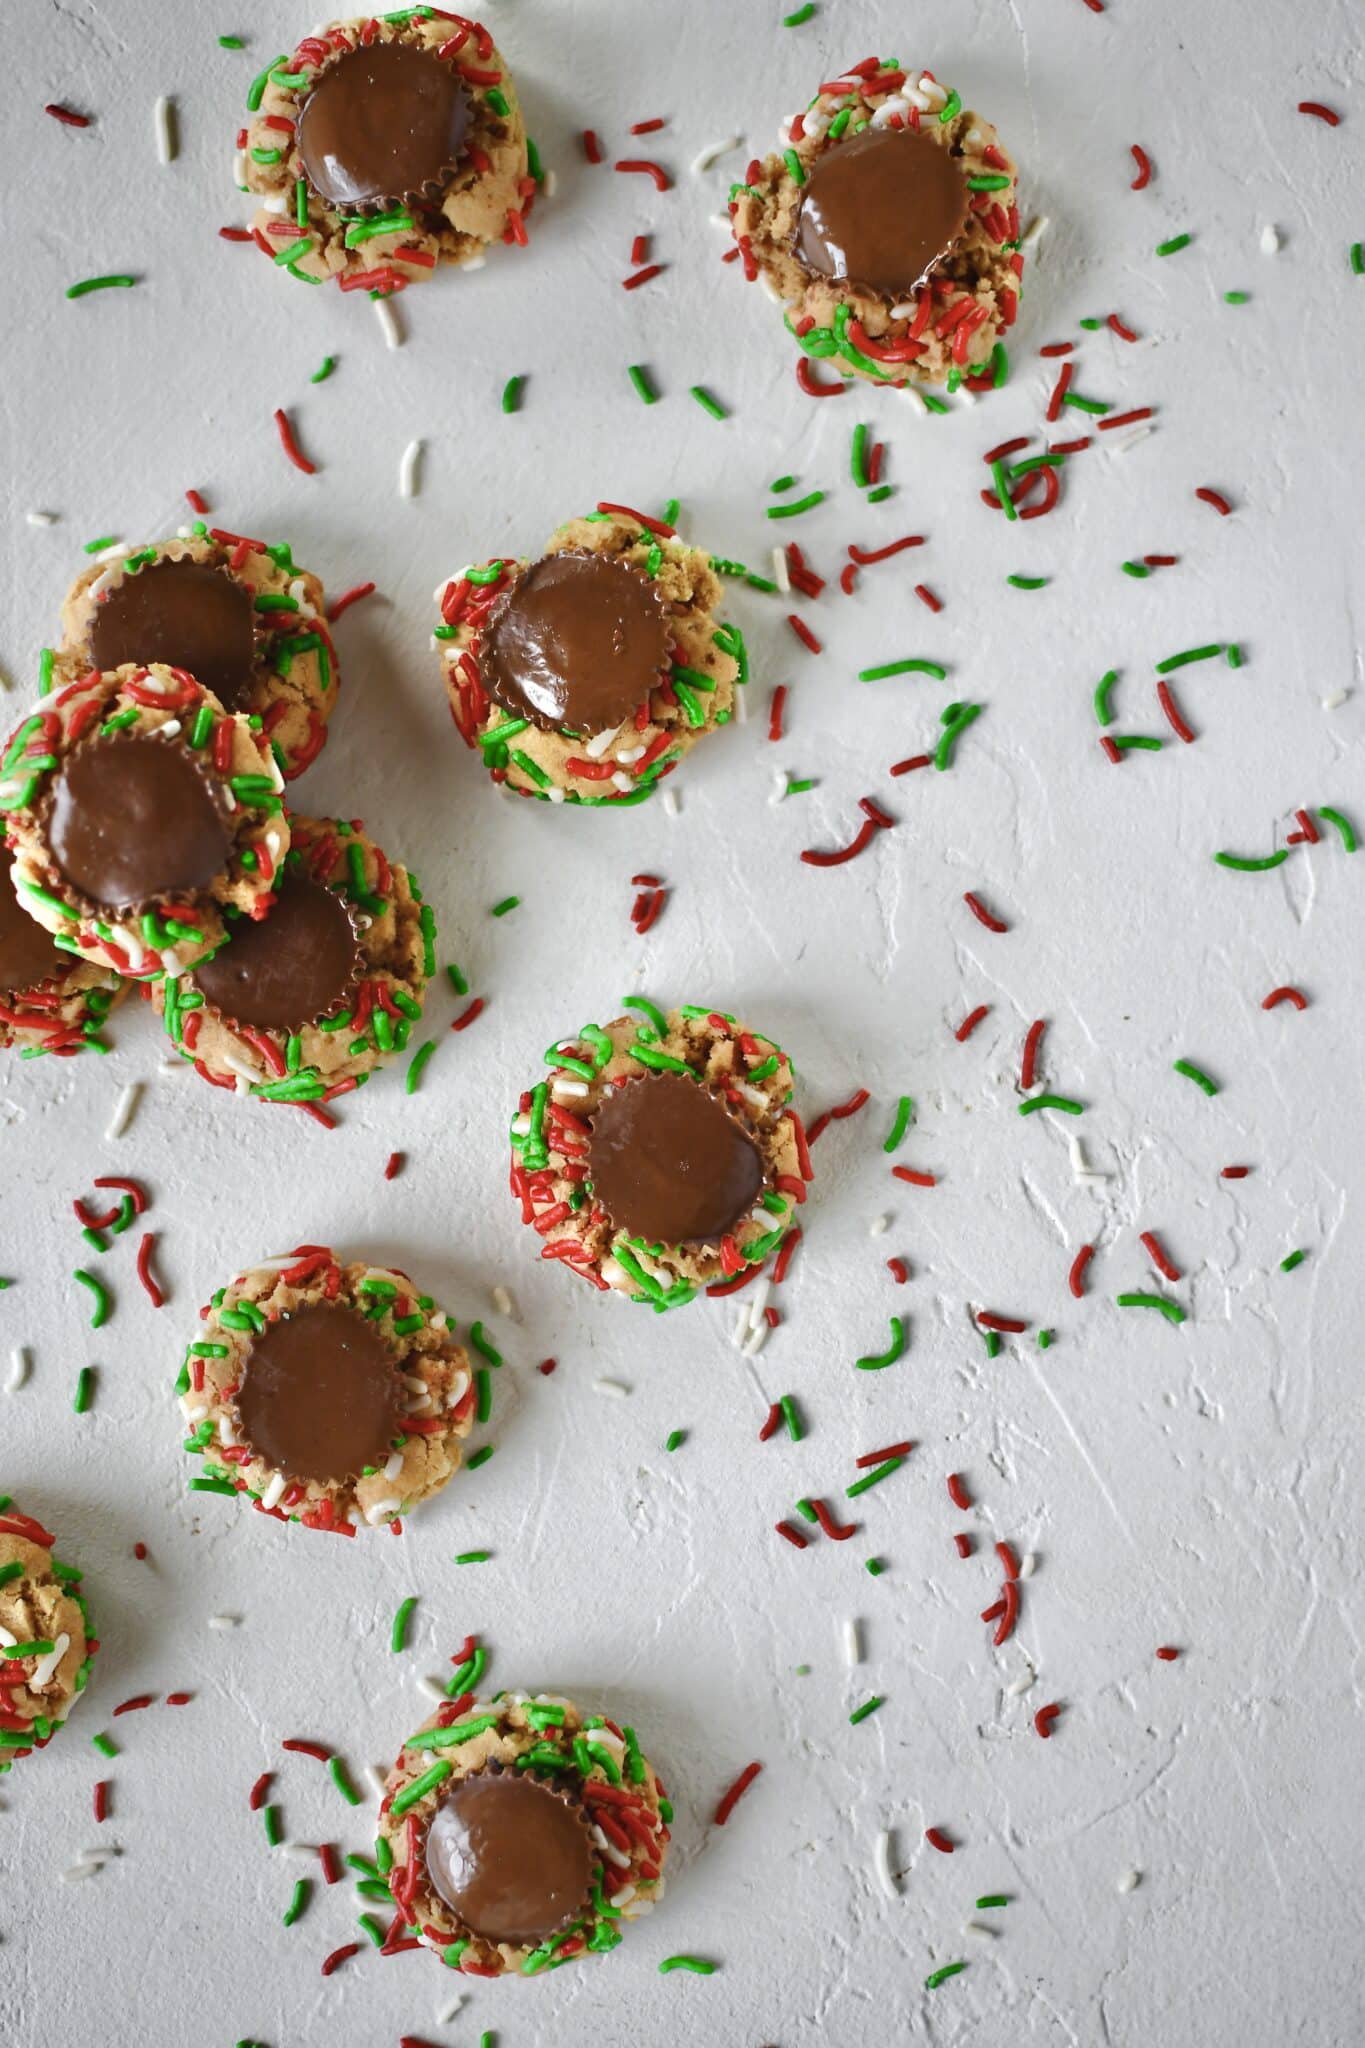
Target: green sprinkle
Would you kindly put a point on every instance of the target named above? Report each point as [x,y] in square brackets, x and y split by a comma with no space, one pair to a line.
[695,1964]
[991,1899]
[894,1350]
[796,170]
[656,1017]
[1062,1102]
[457,980]
[99,284]
[869,1706]
[1343,825]
[1044,1339]
[302,1892]
[952,107]
[1236,298]
[321,375]
[791,1415]
[482,1345]
[783,483]
[876,1566]
[84,1389]
[873,1478]
[1195,1074]
[212,1486]
[1001,478]
[1292,1259]
[418,1063]
[1172,1310]
[1171,247]
[910,667]
[398,1635]
[231,43]
[857,456]
[270,1817]
[811,499]
[1244,864]
[1139,741]
[708,403]
[420,1787]
[480,1457]
[473,1557]
[96,547]
[882,492]
[1094,406]
[507,903]
[1175,661]
[105,1744]
[954,721]
[1027,582]
[644,390]
[1102,689]
[101,1294]
[1357,259]
[511,394]
[937,1977]
[802,14]
[337,1772]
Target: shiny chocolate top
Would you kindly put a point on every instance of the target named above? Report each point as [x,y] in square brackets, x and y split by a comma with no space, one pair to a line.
[382,124]
[511,1856]
[669,1163]
[134,817]
[186,614]
[285,970]
[881,210]
[320,1396]
[576,641]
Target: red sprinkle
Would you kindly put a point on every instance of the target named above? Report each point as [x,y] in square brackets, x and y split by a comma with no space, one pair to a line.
[963,1544]
[1159,1256]
[926,596]
[804,633]
[855,1102]
[393,1165]
[908,767]
[592,148]
[1075,1279]
[178,1699]
[1144,168]
[1008,1326]
[838,1531]
[880,1457]
[898,1271]
[970,1022]
[1174,717]
[101,1798]
[467,1017]
[1214,498]
[779,698]
[862,839]
[662,181]
[913,1178]
[731,1799]
[196,503]
[1233,1172]
[1006,1555]
[339,1956]
[346,600]
[1313,107]
[639,277]
[260,1791]
[936,1839]
[139,1700]
[811,385]
[641,519]
[793,1536]
[1059,391]
[1167,1654]
[1126,419]
[327,1857]
[1045,1717]
[646,127]
[1123,333]
[1028,1065]
[65,115]
[957,1491]
[864,557]
[290,445]
[144,1271]
[317,1750]
[1285,995]
[982,915]
[772,1423]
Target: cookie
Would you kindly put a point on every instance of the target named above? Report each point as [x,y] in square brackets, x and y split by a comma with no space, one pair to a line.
[49,1001]
[237,614]
[384,147]
[331,1395]
[519,1833]
[46,1645]
[888,227]
[304,1004]
[139,811]
[584,677]
[662,1155]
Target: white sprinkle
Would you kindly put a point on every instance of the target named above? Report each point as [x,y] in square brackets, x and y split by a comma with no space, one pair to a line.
[222,1621]
[298,1850]
[20,1365]
[45,1668]
[853,1641]
[163,120]
[1020,1684]
[1130,1880]
[80,1870]
[1335,701]
[41,518]
[779,787]
[389,322]
[881,1863]
[1131,440]
[1036,229]
[1029,1566]
[613,1387]
[447,2014]
[1271,239]
[879,1226]
[505,1305]
[756,1341]
[672,803]
[1080,1165]
[978,1927]
[408,468]
[549,185]
[271,1497]
[432,1690]
[780,575]
[713,153]
[378,1779]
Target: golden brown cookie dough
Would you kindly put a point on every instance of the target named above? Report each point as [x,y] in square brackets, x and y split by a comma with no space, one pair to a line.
[518,1833]
[384,147]
[49,1000]
[237,613]
[892,265]
[46,1644]
[608,726]
[331,1395]
[138,811]
[304,1004]
[638,1187]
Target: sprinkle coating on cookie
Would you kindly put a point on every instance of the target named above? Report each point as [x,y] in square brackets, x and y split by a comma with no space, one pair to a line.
[50,1001]
[522,645]
[722,1184]
[46,1640]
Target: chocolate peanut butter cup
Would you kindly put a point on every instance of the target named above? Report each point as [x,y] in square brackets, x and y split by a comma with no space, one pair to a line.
[320,1396]
[511,1855]
[669,1163]
[28,957]
[188,614]
[132,818]
[383,126]
[576,642]
[286,970]
[883,210]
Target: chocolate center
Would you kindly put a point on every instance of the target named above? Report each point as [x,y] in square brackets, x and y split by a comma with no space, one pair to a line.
[186,614]
[881,210]
[289,968]
[579,640]
[668,1163]
[510,1856]
[27,954]
[382,123]
[320,1395]
[132,819]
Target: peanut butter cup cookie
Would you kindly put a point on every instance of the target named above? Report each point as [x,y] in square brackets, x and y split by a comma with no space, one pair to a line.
[45,1637]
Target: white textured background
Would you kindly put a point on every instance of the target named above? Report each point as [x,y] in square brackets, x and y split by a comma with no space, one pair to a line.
[1198,1486]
